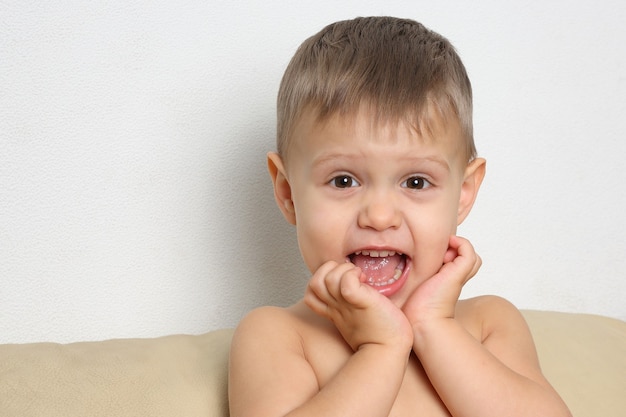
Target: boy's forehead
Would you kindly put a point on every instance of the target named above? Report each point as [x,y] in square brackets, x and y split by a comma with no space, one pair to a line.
[431,129]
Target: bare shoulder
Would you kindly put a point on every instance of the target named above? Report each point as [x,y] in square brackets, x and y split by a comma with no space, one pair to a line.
[501,329]
[266,352]
[491,313]
[269,326]
[279,331]
[267,316]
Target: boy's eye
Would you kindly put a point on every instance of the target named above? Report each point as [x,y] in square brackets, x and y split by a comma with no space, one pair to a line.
[417,183]
[344,181]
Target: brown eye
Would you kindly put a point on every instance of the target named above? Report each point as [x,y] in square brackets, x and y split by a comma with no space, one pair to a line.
[343,181]
[417,183]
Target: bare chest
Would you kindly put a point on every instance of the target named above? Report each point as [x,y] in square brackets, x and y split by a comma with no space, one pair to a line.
[416,397]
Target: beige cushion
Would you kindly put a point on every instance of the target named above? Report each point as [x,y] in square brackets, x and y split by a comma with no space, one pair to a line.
[168,376]
[582,355]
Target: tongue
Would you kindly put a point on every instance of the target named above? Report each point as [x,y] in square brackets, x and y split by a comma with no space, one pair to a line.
[377,270]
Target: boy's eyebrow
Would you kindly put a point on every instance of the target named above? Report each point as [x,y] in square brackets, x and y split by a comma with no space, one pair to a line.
[328,158]
[435,159]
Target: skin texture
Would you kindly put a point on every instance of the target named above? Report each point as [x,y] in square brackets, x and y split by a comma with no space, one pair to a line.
[346,349]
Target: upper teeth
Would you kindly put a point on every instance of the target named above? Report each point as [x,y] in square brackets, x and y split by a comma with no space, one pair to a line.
[377,253]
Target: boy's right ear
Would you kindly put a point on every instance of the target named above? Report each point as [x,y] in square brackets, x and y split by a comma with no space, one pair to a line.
[282,188]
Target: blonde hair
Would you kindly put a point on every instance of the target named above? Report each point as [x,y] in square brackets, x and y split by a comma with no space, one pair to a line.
[397,66]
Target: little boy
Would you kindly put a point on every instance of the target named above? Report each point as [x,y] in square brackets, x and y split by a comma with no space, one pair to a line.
[376,167]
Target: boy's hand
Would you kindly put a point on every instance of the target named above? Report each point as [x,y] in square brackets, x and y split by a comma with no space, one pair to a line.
[437,297]
[362,315]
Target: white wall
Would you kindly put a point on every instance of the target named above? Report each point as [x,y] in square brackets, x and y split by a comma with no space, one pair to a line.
[134,200]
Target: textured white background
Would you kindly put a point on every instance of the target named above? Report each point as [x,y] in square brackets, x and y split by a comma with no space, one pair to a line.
[134,200]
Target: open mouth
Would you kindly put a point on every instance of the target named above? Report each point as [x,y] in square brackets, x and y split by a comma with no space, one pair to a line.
[384,269]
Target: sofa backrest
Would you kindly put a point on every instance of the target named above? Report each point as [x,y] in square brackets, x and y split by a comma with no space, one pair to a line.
[583,356]
[179,375]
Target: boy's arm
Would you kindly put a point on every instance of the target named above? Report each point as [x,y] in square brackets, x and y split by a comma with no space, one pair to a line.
[495,376]
[492,372]
[270,376]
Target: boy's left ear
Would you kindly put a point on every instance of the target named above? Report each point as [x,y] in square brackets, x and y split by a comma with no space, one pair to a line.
[474,174]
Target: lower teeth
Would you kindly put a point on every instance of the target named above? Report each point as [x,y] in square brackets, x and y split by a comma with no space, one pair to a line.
[396,276]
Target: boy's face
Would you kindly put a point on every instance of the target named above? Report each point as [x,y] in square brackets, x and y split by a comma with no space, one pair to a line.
[381,196]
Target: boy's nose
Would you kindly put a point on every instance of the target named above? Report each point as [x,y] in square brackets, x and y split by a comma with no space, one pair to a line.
[380,212]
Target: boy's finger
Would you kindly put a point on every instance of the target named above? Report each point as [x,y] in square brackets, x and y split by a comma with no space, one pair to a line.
[318,306]
[334,278]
